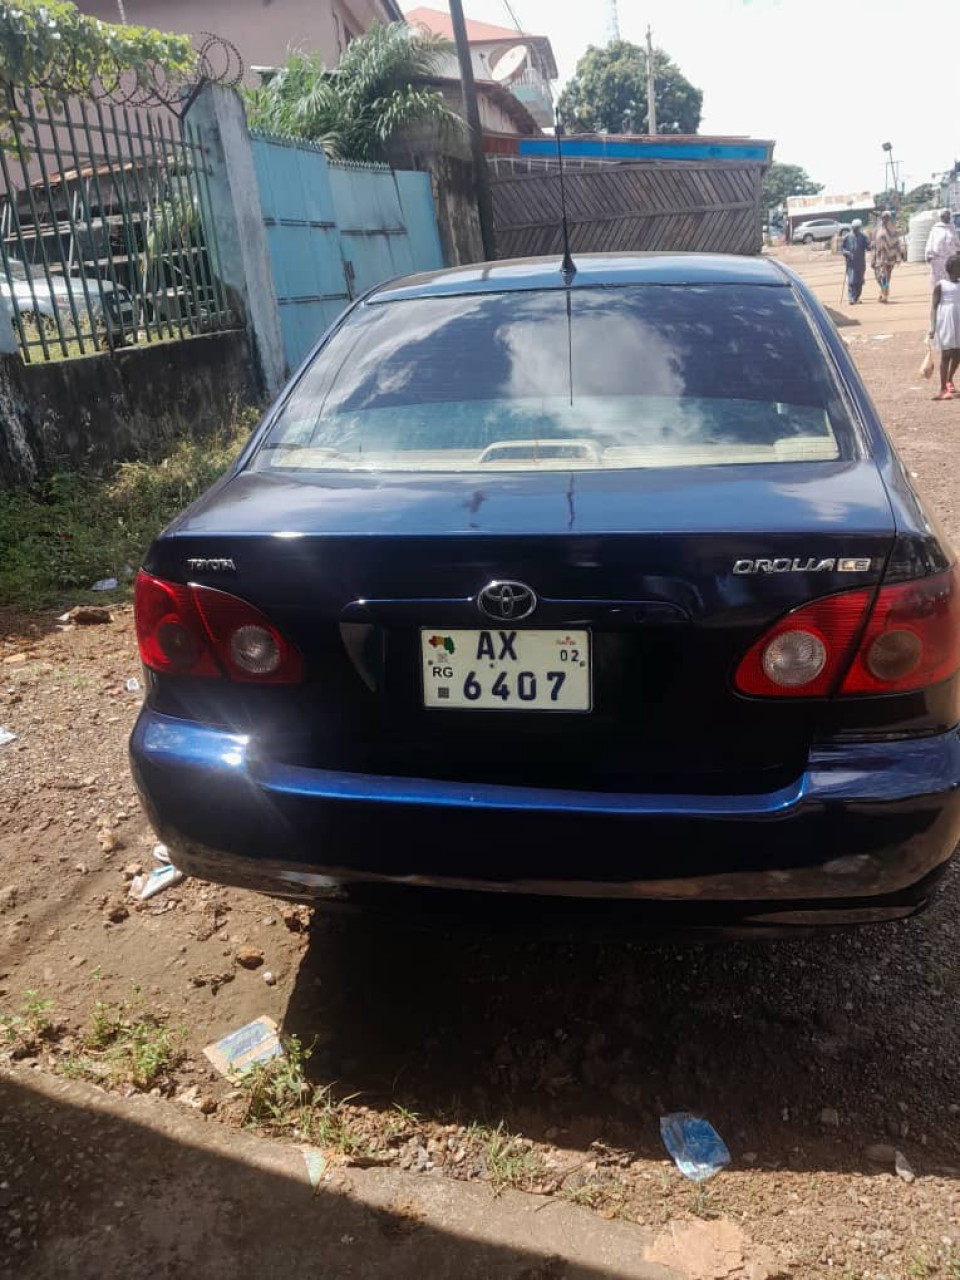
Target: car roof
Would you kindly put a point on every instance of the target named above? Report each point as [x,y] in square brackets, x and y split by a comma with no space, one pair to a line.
[593,269]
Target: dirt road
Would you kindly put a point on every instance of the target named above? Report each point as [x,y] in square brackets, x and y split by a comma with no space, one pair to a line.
[802,1054]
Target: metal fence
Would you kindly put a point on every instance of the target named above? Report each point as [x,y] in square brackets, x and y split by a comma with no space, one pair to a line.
[106,236]
[336,229]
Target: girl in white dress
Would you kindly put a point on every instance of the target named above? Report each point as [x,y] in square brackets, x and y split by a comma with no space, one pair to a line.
[945,326]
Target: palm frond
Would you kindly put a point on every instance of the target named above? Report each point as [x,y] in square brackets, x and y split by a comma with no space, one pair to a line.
[389,57]
[355,111]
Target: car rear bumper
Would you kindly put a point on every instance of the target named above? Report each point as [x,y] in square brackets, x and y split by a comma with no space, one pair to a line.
[862,834]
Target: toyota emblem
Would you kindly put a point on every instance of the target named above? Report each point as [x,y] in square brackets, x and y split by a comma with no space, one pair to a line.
[507,601]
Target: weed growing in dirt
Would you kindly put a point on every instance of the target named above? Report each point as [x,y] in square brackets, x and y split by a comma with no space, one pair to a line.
[511,1162]
[706,1201]
[282,1100]
[590,1195]
[26,1030]
[58,539]
[401,1123]
[921,1266]
[127,1045]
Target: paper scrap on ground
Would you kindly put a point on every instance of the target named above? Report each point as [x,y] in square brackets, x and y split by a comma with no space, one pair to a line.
[105,584]
[6,735]
[697,1149]
[242,1049]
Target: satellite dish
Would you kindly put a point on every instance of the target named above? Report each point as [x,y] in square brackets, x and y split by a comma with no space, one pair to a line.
[510,64]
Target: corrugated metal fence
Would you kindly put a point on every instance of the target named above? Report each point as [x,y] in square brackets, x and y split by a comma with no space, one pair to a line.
[334,230]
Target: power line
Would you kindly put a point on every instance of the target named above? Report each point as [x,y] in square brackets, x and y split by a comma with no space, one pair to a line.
[516,21]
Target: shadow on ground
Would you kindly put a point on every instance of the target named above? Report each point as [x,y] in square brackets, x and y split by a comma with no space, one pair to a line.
[579,1041]
[85,1193]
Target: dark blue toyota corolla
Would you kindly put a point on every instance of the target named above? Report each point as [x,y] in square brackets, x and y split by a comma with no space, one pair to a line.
[598,586]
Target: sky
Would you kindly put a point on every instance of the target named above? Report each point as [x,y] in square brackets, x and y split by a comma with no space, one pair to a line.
[788,70]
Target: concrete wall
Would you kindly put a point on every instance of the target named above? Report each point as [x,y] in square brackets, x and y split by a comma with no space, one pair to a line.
[100,409]
[217,121]
[446,157]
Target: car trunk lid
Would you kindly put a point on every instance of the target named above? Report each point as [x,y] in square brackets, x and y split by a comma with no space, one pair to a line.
[673,572]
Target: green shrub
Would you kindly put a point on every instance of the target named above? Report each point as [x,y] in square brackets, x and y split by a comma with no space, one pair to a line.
[58,539]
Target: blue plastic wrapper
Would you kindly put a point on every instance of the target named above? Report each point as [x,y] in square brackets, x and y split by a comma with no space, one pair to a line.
[697,1149]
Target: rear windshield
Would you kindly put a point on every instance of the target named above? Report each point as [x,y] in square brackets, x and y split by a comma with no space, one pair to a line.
[585,378]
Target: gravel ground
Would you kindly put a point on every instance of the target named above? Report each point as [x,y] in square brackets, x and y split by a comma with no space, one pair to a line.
[803,1054]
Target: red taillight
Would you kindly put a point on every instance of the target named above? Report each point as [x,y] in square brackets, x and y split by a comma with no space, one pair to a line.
[198,631]
[170,634]
[911,639]
[821,633]
[250,648]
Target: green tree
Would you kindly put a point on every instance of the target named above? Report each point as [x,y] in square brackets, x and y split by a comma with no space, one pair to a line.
[608,93]
[377,91]
[50,43]
[925,196]
[782,180]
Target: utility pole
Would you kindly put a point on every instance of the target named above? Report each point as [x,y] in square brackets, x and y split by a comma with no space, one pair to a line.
[651,87]
[471,110]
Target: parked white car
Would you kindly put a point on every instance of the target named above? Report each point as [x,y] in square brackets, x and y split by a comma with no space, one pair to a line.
[818,229]
[115,312]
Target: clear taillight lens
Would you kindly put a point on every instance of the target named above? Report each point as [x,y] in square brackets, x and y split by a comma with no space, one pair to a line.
[805,653]
[908,639]
[794,658]
[254,650]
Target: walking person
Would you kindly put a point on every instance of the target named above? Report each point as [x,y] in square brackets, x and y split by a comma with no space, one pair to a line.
[886,253]
[854,247]
[942,243]
[945,326]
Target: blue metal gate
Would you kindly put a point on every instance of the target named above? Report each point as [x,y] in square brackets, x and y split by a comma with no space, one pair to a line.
[336,229]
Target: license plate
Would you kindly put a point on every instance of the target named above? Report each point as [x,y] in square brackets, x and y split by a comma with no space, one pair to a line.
[506,670]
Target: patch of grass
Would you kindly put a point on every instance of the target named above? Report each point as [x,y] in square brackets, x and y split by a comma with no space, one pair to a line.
[58,539]
[921,1266]
[280,1099]
[127,1045]
[26,1030]
[511,1162]
[402,1122]
[706,1201]
[591,1195]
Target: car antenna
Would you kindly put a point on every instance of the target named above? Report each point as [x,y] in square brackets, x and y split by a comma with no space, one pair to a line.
[568,268]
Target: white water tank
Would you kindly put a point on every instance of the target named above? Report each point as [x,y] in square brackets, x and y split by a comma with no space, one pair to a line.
[920,227]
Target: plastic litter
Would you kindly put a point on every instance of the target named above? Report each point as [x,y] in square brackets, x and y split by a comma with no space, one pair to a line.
[161,852]
[244,1048]
[105,584]
[696,1148]
[7,735]
[317,1164]
[158,879]
[132,685]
